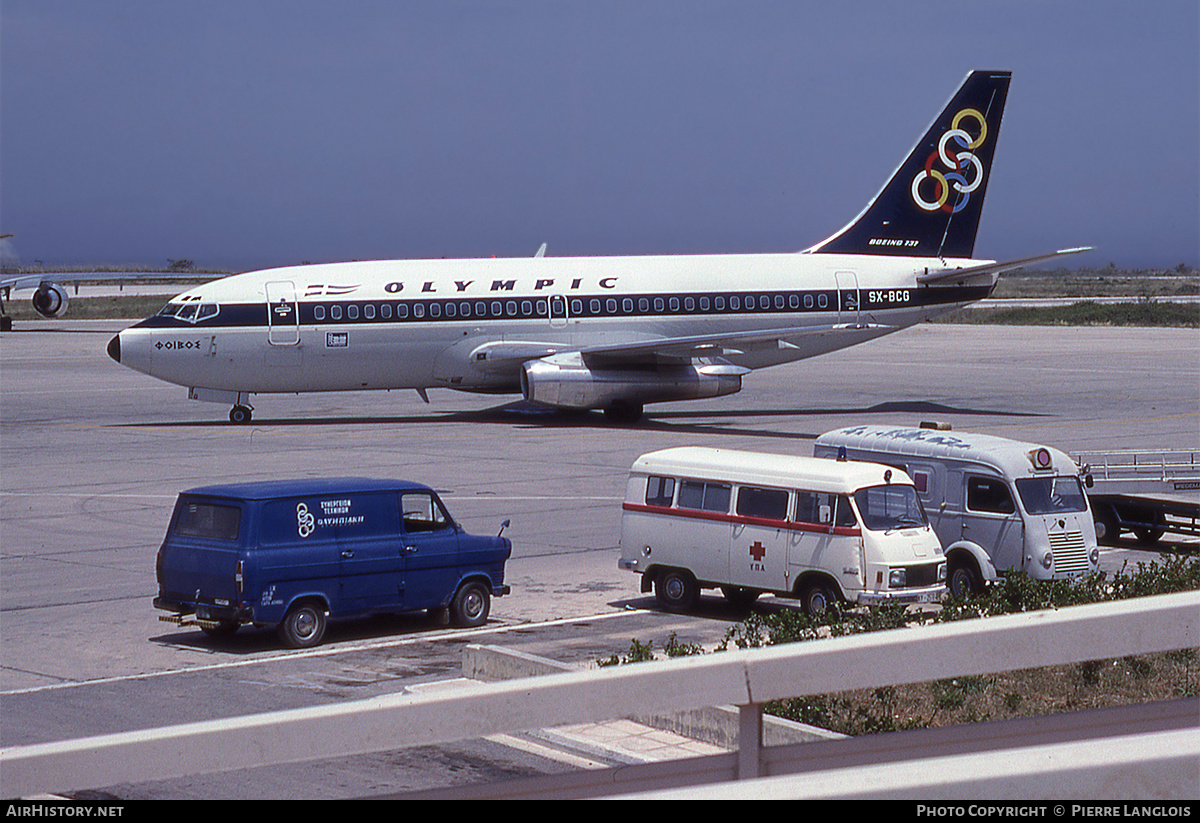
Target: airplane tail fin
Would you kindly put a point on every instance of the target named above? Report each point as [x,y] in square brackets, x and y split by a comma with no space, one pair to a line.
[931,205]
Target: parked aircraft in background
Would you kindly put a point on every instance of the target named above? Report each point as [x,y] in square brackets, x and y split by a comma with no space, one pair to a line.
[611,333]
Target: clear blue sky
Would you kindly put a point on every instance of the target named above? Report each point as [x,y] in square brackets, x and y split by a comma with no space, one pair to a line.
[253,133]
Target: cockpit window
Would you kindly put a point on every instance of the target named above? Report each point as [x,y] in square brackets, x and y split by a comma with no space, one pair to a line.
[169,310]
[187,312]
[206,311]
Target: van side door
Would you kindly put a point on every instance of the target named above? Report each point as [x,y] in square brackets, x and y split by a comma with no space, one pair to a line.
[991,521]
[758,552]
[429,542]
[815,542]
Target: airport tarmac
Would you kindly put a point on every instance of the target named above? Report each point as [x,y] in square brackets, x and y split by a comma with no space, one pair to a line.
[94,454]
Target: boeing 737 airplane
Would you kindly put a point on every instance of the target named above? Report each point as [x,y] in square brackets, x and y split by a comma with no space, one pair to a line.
[611,333]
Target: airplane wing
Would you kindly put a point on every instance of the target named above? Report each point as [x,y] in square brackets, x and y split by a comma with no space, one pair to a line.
[942,275]
[655,350]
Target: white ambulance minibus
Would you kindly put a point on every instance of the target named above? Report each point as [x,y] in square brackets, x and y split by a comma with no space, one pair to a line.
[996,504]
[749,523]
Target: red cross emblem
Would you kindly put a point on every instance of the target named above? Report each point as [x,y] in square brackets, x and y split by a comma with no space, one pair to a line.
[758,551]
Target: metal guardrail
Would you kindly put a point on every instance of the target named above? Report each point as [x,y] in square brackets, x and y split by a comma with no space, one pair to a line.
[746,678]
[1124,465]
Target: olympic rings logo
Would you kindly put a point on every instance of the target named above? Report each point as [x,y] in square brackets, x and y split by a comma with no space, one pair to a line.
[965,173]
[306,524]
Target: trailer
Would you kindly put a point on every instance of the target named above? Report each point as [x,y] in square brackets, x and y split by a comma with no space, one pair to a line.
[1148,493]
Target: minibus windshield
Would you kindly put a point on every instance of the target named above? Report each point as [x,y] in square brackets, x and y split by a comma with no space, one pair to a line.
[1046,495]
[890,507]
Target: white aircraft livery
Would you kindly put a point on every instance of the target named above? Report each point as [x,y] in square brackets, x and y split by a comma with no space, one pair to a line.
[611,333]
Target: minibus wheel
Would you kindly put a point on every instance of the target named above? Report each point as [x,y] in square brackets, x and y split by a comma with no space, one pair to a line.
[304,625]
[676,590]
[471,605]
[816,598]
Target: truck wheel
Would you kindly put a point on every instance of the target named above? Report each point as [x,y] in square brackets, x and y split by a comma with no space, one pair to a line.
[676,590]
[304,625]
[816,598]
[964,579]
[1154,533]
[471,605]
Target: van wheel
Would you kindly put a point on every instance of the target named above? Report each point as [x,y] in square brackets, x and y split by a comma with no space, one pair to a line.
[304,625]
[964,579]
[471,605]
[676,589]
[817,598]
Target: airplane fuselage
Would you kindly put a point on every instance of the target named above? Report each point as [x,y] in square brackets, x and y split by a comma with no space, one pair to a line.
[421,324]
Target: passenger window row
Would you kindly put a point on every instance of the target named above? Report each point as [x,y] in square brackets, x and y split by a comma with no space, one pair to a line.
[649,305]
[816,508]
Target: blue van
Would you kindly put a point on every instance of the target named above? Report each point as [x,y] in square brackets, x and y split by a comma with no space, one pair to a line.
[294,553]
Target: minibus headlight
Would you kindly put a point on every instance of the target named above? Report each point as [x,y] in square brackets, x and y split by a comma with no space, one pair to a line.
[1095,557]
[941,572]
[1048,560]
[897,579]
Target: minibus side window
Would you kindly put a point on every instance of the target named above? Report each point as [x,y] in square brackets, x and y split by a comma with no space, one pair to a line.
[660,491]
[989,494]
[844,515]
[422,513]
[814,507]
[704,496]
[770,504]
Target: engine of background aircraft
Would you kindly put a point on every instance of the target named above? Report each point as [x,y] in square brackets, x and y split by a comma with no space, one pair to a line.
[50,300]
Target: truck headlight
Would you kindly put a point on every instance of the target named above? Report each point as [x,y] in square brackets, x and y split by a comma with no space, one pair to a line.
[897,579]
[1048,560]
[1095,557]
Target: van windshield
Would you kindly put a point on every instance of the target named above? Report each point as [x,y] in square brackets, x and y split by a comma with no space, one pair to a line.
[1047,495]
[890,507]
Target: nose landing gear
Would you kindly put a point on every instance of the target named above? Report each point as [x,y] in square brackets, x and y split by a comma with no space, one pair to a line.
[240,413]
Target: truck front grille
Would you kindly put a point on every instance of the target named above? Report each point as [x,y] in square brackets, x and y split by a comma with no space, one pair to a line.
[1070,553]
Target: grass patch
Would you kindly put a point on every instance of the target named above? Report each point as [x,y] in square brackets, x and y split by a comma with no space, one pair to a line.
[1083,313]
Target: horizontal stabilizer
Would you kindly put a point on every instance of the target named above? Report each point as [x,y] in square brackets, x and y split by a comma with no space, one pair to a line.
[943,275]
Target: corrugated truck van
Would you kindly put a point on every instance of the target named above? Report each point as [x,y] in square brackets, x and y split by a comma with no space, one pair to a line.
[998,505]
[293,553]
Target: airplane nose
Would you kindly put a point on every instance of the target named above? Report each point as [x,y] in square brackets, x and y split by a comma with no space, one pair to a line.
[114,348]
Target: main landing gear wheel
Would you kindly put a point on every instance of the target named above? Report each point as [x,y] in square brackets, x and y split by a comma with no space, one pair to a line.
[240,414]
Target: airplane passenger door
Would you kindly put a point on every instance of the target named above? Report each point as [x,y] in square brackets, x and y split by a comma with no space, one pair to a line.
[558,310]
[847,286]
[283,315]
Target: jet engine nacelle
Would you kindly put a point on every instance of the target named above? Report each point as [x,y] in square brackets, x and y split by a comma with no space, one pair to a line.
[50,299]
[566,382]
